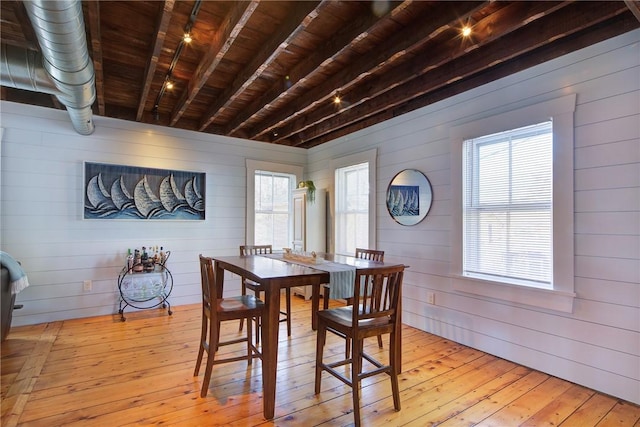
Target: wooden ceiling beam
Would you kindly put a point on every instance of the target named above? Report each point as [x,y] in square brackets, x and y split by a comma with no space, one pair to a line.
[222,42]
[31,41]
[162,25]
[390,51]
[93,19]
[606,30]
[634,7]
[479,62]
[487,30]
[383,65]
[302,14]
[313,64]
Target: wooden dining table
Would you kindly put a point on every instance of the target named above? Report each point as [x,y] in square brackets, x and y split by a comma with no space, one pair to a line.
[274,273]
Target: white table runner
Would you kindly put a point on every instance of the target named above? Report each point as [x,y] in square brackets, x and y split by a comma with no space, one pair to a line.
[341,276]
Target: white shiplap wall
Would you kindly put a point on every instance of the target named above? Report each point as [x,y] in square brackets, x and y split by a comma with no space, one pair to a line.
[598,345]
[42,198]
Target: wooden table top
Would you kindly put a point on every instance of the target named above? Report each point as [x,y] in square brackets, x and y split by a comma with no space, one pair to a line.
[262,269]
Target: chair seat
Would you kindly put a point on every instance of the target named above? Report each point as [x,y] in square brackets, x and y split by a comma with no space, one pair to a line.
[253,286]
[341,319]
[241,305]
[257,288]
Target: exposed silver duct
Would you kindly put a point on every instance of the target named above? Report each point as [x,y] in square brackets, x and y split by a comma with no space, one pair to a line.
[66,70]
[22,69]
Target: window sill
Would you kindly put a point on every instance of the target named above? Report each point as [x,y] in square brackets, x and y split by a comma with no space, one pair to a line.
[529,296]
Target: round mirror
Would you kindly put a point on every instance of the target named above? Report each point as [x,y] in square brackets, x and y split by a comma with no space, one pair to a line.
[409,197]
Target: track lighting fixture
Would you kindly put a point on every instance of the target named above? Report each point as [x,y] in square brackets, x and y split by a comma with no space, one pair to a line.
[186,39]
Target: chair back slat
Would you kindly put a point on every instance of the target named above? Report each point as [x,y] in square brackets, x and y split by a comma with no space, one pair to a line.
[370,254]
[208,281]
[246,250]
[376,293]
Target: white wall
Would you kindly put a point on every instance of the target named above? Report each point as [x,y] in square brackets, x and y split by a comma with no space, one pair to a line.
[598,345]
[42,200]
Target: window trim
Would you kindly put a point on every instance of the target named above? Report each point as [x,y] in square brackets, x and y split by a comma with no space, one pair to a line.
[370,157]
[346,215]
[561,297]
[252,167]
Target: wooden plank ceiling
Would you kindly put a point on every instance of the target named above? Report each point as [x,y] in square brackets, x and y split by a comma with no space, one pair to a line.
[269,70]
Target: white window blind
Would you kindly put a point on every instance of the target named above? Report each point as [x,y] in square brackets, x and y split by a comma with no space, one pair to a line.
[507,206]
[272,208]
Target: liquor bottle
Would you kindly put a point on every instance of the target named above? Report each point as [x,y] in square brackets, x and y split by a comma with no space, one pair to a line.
[137,261]
[129,259]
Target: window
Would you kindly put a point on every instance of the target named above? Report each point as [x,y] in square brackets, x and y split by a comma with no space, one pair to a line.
[507,206]
[512,206]
[269,189]
[352,208]
[354,202]
[272,208]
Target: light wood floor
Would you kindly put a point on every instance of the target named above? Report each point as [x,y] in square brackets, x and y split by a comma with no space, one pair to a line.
[103,372]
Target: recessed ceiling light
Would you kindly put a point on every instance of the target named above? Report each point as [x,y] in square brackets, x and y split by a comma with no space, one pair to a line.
[466,31]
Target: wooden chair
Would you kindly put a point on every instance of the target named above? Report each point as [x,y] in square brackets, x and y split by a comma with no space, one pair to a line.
[374,312]
[246,250]
[215,310]
[371,254]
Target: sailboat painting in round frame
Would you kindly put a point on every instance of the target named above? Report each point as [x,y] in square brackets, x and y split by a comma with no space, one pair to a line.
[409,197]
[130,192]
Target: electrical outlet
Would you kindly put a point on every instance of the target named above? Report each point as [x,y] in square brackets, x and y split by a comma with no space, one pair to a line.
[87,285]
[431,298]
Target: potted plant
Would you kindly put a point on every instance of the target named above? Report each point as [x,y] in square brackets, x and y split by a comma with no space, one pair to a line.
[311,189]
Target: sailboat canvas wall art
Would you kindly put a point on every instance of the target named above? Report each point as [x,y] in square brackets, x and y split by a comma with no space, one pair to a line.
[404,200]
[130,192]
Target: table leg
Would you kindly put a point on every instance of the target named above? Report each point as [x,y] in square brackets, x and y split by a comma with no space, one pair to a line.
[270,327]
[315,305]
[398,348]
